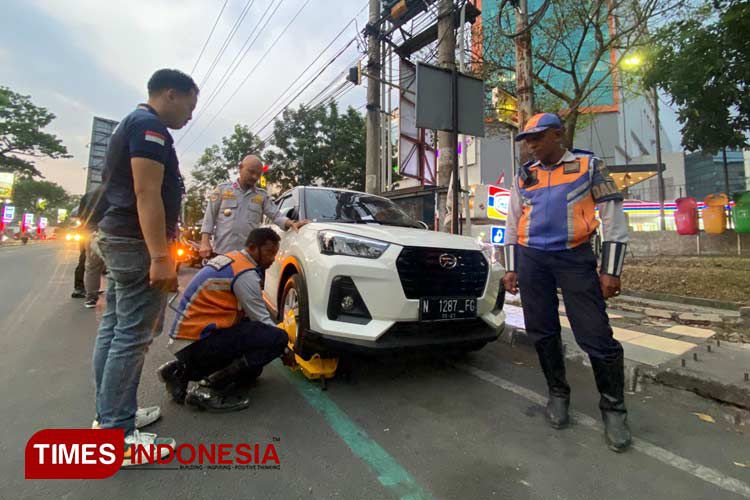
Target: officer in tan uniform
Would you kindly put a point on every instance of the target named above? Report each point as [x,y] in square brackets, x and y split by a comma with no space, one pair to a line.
[234,209]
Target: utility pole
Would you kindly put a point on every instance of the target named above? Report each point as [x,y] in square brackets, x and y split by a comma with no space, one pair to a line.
[385,121]
[372,158]
[389,131]
[464,162]
[446,140]
[524,73]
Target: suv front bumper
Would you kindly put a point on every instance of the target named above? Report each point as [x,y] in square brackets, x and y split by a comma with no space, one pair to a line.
[411,336]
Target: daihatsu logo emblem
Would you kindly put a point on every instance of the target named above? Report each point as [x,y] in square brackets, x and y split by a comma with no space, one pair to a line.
[448,261]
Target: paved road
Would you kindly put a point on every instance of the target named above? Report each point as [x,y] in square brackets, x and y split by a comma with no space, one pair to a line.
[466,429]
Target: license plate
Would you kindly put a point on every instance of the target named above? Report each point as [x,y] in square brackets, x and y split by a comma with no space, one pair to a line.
[447,308]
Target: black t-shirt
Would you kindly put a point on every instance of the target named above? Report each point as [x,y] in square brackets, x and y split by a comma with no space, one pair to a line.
[141,134]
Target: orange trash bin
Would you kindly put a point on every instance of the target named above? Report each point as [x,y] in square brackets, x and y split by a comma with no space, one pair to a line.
[714,213]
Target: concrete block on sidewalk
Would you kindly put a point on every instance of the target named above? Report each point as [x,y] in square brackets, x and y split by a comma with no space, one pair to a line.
[691,331]
[658,313]
[700,319]
[745,317]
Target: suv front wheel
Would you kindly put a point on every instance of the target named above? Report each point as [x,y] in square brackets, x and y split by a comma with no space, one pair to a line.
[294,299]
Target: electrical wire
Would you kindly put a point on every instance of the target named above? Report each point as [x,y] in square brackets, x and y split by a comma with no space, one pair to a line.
[232,66]
[340,93]
[320,54]
[227,41]
[280,96]
[250,73]
[210,34]
[535,19]
[310,82]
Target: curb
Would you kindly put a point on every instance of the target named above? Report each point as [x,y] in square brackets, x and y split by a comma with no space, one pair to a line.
[729,319]
[705,386]
[679,299]
[637,373]
[9,244]
[515,336]
[681,317]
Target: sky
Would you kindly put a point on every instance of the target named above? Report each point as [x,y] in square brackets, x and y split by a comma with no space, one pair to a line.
[86,58]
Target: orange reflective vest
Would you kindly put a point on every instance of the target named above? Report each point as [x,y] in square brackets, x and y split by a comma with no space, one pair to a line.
[209,303]
[559,210]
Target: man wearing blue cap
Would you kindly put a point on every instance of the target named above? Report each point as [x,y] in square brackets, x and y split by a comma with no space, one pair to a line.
[551,220]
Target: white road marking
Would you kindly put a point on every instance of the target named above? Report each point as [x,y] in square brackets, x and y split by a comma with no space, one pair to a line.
[656,452]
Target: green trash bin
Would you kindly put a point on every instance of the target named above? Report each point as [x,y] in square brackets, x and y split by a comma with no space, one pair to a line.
[741,212]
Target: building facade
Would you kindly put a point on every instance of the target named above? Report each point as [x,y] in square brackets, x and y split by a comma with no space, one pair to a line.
[101,131]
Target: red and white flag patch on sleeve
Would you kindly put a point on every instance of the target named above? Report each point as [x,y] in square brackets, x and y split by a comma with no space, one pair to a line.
[155,137]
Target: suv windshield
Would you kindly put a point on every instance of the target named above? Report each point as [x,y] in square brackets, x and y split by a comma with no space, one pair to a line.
[342,206]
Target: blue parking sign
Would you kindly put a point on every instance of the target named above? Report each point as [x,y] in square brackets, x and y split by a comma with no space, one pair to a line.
[498,235]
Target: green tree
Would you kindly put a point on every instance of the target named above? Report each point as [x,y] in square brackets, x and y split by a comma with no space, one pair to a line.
[575,49]
[219,161]
[318,146]
[194,206]
[42,198]
[703,63]
[21,135]
[215,166]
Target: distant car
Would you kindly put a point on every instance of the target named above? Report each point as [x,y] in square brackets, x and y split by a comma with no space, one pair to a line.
[73,231]
[366,276]
[74,235]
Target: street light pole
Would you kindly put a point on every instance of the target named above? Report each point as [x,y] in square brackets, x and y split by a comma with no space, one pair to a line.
[464,162]
[659,173]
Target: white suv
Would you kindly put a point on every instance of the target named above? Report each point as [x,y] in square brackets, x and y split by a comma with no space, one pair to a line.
[365,276]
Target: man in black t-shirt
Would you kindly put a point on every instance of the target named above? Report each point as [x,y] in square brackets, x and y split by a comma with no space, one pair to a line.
[143,189]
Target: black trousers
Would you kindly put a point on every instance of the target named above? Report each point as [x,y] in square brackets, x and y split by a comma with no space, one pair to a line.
[78,283]
[541,273]
[257,342]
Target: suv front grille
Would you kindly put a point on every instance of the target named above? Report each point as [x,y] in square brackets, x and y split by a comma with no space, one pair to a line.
[422,275]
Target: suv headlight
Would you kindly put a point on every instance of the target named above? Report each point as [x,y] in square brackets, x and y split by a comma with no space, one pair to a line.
[492,252]
[335,243]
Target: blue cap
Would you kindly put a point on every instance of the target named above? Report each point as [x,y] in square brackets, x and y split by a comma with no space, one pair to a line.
[539,123]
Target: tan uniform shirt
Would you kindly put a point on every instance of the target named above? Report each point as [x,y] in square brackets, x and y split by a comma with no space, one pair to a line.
[232,213]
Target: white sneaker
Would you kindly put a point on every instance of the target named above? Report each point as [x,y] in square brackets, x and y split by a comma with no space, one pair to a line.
[148,441]
[143,417]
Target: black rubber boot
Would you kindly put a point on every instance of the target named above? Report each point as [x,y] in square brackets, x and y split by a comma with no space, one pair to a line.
[610,380]
[227,378]
[553,365]
[213,400]
[214,393]
[175,375]
[249,376]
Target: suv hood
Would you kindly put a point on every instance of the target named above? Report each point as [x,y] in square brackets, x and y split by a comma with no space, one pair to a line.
[404,236]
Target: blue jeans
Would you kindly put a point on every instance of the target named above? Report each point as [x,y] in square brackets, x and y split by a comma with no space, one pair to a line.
[133,316]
